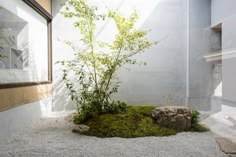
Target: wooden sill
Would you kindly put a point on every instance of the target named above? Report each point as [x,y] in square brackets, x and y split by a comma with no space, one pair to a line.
[13,97]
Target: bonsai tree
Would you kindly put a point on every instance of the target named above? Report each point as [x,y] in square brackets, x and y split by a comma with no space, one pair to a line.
[91,77]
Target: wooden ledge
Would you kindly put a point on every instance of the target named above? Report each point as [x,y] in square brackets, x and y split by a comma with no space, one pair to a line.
[13,97]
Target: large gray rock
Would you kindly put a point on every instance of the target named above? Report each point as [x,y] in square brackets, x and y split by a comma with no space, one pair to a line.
[177,117]
[81,129]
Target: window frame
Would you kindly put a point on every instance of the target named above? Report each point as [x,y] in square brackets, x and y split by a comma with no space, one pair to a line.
[39,9]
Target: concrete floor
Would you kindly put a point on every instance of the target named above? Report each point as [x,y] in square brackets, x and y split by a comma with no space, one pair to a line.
[223,123]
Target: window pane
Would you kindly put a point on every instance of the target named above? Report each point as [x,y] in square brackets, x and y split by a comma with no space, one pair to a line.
[23,43]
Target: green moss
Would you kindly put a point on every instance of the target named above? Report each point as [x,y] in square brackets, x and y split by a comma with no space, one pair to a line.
[136,121]
[199,128]
[196,127]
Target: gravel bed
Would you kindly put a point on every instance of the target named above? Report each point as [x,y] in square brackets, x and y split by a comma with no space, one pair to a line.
[52,137]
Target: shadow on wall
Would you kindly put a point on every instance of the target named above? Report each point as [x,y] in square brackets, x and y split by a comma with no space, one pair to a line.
[61,99]
[164,76]
[57,6]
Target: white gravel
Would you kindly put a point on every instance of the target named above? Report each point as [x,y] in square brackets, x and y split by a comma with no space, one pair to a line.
[52,137]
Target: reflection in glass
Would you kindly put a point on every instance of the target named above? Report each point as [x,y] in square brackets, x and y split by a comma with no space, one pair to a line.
[23,43]
[13,40]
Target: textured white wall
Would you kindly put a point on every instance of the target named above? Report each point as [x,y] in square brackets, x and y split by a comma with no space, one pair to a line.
[200,40]
[228,65]
[165,73]
[222,9]
[224,12]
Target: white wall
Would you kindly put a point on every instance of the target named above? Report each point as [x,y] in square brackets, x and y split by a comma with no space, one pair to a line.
[228,65]
[222,9]
[166,70]
[165,74]
[200,44]
[16,119]
[224,12]
[62,29]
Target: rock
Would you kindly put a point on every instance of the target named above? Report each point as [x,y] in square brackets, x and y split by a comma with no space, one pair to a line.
[81,129]
[226,145]
[177,117]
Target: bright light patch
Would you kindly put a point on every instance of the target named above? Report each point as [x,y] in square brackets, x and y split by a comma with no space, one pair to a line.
[218,90]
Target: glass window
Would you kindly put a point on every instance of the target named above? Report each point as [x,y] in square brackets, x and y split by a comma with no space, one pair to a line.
[23,43]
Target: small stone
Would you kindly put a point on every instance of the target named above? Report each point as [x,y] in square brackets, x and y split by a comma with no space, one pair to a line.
[81,129]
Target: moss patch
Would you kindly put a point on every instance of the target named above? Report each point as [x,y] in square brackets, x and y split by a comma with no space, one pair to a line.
[136,121]
[199,128]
